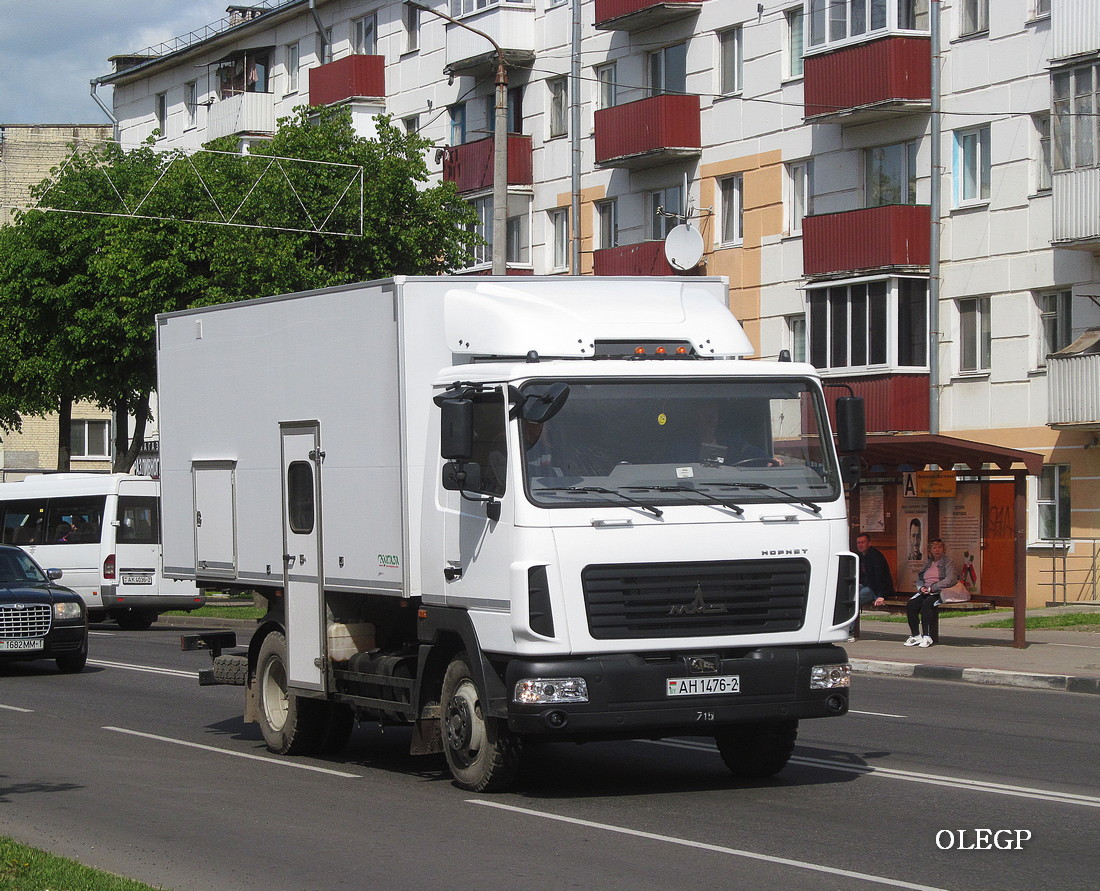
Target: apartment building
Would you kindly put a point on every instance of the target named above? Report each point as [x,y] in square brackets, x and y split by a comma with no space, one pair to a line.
[961,300]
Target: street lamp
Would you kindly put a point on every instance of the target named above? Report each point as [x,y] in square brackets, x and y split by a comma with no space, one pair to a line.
[500,146]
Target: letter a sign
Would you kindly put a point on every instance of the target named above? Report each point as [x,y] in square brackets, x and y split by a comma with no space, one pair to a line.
[909,485]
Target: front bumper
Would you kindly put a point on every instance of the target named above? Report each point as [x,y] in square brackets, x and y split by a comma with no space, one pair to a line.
[627,694]
[60,640]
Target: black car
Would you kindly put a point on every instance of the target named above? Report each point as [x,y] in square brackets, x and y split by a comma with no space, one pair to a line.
[38,619]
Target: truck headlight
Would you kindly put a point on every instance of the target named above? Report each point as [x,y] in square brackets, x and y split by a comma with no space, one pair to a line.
[65,611]
[825,677]
[539,691]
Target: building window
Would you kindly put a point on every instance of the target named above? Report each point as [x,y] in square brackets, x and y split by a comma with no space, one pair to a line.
[668,70]
[291,57]
[800,194]
[796,337]
[1056,323]
[90,439]
[244,71]
[796,42]
[191,103]
[846,21]
[1052,501]
[972,165]
[974,334]
[559,106]
[410,24]
[666,207]
[973,17]
[412,124]
[1042,175]
[731,61]
[732,209]
[160,113]
[365,41]
[891,174]
[607,223]
[559,226]
[517,231]
[1076,93]
[871,324]
[513,116]
[606,86]
[465,7]
[1042,8]
[456,116]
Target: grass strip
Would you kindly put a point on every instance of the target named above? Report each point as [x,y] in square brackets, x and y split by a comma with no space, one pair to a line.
[23,868]
[1065,620]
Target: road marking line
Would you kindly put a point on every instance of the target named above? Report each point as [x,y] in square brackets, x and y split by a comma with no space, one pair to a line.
[915,777]
[852,711]
[15,708]
[151,669]
[248,755]
[718,849]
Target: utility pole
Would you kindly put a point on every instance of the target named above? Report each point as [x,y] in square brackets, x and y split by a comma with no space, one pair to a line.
[500,146]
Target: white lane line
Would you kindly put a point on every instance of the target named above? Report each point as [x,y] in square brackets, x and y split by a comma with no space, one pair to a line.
[248,755]
[15,708]
[911,776]
[150,669]
[852,711]
[718,849]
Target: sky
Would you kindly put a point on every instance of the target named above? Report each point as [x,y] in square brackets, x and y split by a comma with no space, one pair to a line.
[52,49]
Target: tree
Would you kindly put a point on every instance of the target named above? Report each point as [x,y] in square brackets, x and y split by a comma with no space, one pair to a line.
[79,290]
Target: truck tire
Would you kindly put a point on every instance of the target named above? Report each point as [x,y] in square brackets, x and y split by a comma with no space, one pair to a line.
[482,754]
[231,669]
[134,619]
[291,725]
[757,750]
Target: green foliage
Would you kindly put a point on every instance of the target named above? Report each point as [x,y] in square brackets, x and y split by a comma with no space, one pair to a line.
[120,236]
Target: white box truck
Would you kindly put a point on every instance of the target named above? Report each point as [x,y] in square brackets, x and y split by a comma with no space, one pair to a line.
[511,509]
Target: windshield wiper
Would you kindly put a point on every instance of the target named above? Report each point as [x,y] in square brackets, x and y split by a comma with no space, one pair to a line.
[706,496]
[816,508]
[657,512]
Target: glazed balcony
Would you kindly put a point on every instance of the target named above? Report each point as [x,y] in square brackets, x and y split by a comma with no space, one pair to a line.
[649,132]
[353,77]
[243,114]
[634,15]
[869,81]
[644,258]
[470,166]
[512,26]
[895,236]
[894,403]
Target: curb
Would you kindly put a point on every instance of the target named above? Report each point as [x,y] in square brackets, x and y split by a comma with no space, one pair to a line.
[989,676]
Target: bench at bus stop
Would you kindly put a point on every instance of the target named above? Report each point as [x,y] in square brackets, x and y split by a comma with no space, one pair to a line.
[896,605]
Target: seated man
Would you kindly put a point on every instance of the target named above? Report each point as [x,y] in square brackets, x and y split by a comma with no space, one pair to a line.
[875,582]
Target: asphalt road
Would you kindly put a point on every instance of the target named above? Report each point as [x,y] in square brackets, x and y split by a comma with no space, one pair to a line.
[132,767]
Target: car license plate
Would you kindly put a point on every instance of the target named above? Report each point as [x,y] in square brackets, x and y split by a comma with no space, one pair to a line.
[136,579]
[704,686]
[26,643]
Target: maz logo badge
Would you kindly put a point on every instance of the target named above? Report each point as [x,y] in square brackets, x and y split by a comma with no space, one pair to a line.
[698,606]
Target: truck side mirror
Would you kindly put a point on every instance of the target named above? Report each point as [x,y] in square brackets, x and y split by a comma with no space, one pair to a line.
[851,425]
[462,476]
[456,430]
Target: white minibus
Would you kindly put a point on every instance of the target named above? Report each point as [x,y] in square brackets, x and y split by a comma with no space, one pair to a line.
[103,532]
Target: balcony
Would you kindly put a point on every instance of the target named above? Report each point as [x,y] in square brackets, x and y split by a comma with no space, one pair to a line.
[870,81]
[513,28]
[470,166]
[1076,207]
[894,403]
[644,258]
[1073,382]
[245,114]
[634,15]
[872,238]
[353,77]
[649,132]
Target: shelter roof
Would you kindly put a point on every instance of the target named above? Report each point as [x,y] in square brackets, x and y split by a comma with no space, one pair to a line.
[915,451]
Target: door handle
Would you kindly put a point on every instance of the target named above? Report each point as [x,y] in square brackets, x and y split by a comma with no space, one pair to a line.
[288,559]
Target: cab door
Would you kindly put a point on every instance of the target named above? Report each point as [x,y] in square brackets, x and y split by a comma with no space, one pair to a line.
[303,572]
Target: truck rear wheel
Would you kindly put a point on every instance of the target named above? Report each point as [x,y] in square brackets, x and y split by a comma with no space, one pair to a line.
[757,750]
[290,724]
[481,752]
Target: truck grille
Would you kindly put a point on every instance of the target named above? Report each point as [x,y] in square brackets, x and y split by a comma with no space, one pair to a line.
[655,600]
[31,621]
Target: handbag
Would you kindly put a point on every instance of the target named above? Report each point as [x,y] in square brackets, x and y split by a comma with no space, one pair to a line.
[957,593]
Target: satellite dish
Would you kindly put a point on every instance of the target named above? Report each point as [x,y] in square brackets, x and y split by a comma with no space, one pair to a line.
[684,247]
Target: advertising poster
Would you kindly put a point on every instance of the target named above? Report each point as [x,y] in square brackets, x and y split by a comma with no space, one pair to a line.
[961,531]
[872,510]
[912,541]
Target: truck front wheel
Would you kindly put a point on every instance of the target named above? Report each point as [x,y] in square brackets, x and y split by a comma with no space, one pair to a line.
[757,750]
[481,752]
[290,724]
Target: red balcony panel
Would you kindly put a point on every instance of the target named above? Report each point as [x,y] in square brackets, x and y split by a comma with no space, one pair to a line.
[470,165]
[894,403]
[870,238]
[654,130]
[631,15]
[886,72]
[644,258]
[347,78]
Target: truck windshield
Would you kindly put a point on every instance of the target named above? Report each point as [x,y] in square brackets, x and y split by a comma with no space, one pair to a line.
[682,441]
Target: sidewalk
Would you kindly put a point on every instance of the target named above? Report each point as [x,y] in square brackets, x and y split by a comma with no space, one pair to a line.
[1061,659]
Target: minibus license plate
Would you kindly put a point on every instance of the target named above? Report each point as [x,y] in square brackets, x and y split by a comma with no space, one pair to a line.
[137,579]
[28,643]
[704,686]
